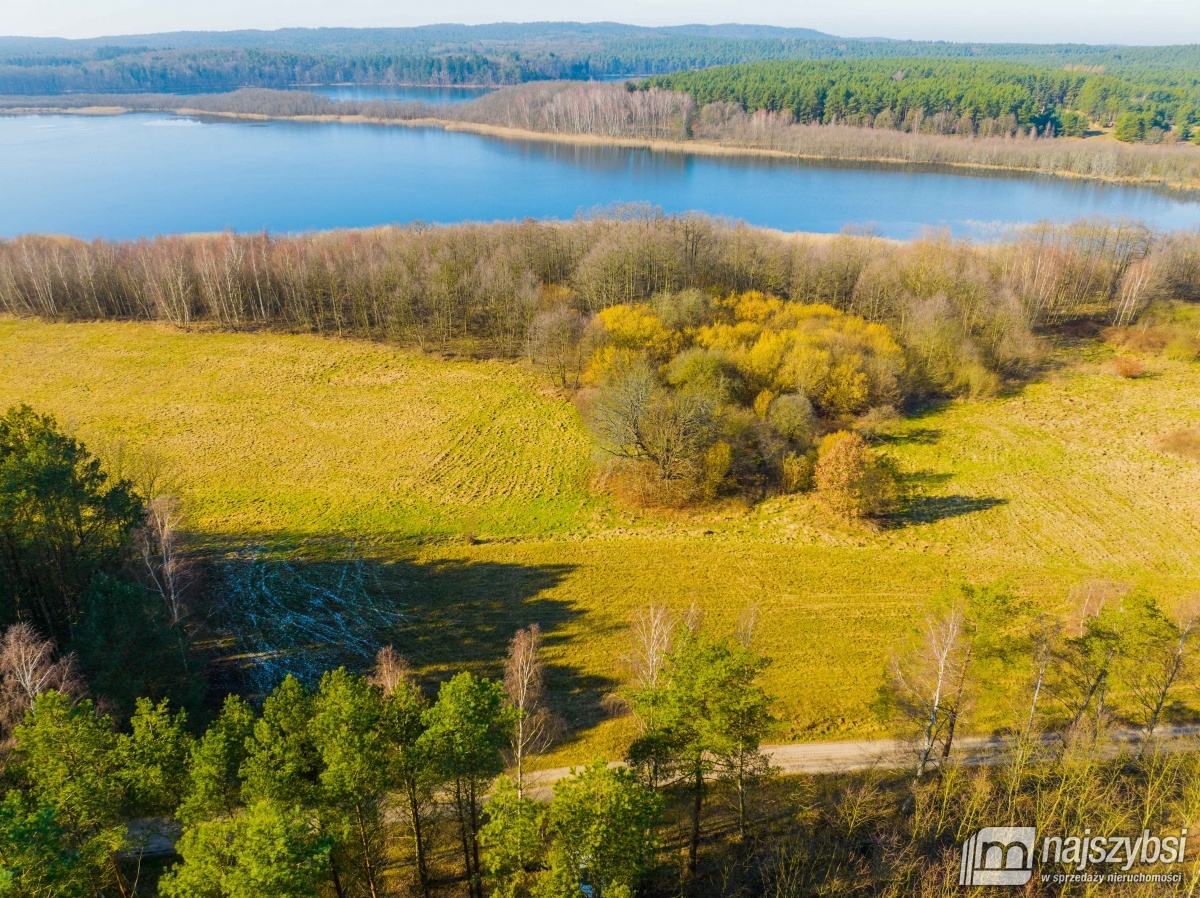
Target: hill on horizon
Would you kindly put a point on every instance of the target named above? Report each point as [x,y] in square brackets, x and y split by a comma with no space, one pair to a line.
[328,38]
[336,38]
[490,55]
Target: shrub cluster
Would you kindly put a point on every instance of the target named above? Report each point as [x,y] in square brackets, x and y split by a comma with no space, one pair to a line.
[730,394]
[1167,329]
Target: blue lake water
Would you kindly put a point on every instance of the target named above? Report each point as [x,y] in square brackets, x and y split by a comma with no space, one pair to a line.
[145,174]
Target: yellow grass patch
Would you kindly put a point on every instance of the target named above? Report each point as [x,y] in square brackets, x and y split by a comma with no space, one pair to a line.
[287,437]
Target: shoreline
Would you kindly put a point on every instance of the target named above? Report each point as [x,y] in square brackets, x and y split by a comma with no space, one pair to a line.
[706,148]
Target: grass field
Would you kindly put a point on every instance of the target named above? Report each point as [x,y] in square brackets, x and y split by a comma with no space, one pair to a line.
[310,445]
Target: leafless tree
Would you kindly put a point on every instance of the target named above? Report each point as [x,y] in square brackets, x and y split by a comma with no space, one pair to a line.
[748,624]
[1087,656]
[556,344]
[152,473]
[168,571]
[1163,653]
[1043,645]
[390,671]
[536,727]
[636,418]
[693,618]
[924,681]
[1134,290]
[653,631]
[27,669]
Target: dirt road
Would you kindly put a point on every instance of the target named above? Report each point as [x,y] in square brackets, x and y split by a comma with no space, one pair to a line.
[847,757]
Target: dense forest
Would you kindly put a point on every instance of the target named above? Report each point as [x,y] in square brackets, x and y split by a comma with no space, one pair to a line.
[953,96]
[219,70]
[485,55]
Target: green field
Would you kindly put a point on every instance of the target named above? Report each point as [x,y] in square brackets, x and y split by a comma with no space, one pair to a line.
[303,444]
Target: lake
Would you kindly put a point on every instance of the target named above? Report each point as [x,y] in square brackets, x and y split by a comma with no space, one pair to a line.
[144,174]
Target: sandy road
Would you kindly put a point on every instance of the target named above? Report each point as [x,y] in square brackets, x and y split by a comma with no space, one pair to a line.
[847,757]
[807,757]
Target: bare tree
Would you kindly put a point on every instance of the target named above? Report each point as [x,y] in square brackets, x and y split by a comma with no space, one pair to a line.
[154,474]
[1044,643]
[536,727]
[390,671]
[1087,656]
[151,472]
[636,418]
[923,683]
[748,624]
[1161,652]
[556,343]
[168,571]
[652,629]
[1133,290]
[27,669]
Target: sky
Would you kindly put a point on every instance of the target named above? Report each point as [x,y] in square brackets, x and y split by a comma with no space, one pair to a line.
[1039,21]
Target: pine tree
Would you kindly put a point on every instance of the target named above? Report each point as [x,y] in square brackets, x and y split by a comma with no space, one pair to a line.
[468,729]
[601,824]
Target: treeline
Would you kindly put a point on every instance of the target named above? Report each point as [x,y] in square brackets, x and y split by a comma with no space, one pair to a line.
[227,70]
[602,110]
[713,357]
[246,101]
[952,97]
[486,284]
[563,108]
[1169,165]
[488,55]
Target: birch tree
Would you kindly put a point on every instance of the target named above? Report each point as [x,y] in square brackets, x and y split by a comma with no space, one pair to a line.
[535,727]
[921,683]
[29,668]
[1160,654]
[168,571]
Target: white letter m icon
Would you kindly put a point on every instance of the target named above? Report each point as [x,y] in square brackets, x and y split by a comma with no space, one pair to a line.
[998,856]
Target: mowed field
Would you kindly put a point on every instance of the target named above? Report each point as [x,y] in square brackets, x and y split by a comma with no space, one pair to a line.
[299,442]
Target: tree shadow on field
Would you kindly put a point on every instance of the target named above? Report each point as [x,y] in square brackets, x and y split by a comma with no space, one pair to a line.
[930,509]
[917,507]
[309,606]
[919,436]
